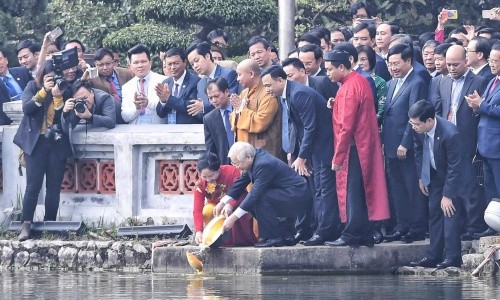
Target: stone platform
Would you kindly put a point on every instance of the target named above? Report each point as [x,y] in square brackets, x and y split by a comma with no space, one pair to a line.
[382,258]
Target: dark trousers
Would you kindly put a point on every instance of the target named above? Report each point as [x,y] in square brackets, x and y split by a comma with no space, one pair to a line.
[444,232]
[491,168]
[306,219]
[279,203]
[358,228]
[326,208]
[406,197]
[473,198]
[47,159]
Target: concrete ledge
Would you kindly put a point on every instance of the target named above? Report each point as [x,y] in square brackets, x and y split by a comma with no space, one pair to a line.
[382,258]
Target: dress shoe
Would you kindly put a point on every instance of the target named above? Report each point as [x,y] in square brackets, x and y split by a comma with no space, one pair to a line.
[337,243]
[487,232]
[448,263]
[378,237]
[316,240]
[469,236]
[25,232]
[369,241]
[412,237]
[278,242]
[396,236]
[299,237]
[290,241]
[424,262]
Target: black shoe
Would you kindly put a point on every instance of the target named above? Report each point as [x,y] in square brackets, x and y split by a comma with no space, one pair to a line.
[290,241]
[396,236]
[338,242]
[25,231]
[487,232]
[368,241]
[316,240]
[299,237]
[448,263]
[469,236]
[278,242]
[378,237]
[424,262]
[412,237]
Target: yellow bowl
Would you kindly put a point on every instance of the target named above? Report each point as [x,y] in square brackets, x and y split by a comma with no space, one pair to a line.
[212,231]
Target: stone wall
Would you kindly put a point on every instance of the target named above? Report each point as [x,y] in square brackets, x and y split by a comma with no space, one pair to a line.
[75,255]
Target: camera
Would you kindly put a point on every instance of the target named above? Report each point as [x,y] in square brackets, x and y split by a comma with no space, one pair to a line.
[64,60]
[53,132]
[80,105]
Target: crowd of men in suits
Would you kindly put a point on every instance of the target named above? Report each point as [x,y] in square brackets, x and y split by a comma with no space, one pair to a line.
[315,110]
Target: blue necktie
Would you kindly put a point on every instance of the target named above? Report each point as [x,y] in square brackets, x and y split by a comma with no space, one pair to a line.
[426,162]
[285,129]
[229,132]
[10,88]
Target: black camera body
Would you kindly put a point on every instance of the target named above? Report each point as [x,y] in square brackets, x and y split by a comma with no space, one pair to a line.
[64,60]
[54,132]
[80,105]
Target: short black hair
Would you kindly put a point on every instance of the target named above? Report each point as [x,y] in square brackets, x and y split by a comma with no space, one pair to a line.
[74,41]
[310,38]
[216,33]
[452,40]
[78,84]
[274,71]
[423,110]
[176,51]
[293,61]
[372,31]
[258,39]
[318,53]
[202,49]
[496,47]
[221,84]
[100,53]
[405,50]
[321,32]
[395,29]
[138,49]
[482,45]
[424,37]
[32,45]
[370,53]
[348,48]
[458,30]
[353,9]
[208,160]
[442,49]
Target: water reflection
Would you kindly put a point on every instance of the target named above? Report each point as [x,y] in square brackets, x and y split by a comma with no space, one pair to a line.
[113,285]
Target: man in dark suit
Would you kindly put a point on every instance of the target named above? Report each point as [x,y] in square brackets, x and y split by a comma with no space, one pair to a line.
[306,113]
[177,91]
[364,35]
[488,139]
[201,60]
[312,58]
[296,71]
[442,71]
[419,69]
[478,52]
[277,192]
[218,135]
[12,83]
[403,91]
[440,179]
[111,79]
[452,106]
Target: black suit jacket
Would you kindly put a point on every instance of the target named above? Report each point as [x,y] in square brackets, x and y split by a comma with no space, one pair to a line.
[312,120]
[422,72]
[215,136]
[395,127]
[226,73]
[447,156]
[467,120]
[322,71]
[324,86]
[188,92]
[433,90]
[486,73]
[268,172]
[381,68]
[22,77]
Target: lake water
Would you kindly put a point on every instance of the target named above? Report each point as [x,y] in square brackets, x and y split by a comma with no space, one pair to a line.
[116,285]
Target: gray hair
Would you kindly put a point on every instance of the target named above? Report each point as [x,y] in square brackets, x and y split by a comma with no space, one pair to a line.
[402,39]
[240,151]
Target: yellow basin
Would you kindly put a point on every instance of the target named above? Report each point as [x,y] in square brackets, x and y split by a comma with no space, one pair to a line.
[212,231]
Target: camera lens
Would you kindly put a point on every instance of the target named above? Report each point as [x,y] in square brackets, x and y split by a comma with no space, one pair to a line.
[80,106]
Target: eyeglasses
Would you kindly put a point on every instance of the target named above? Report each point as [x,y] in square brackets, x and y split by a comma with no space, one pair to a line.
[467,50]
[493,61]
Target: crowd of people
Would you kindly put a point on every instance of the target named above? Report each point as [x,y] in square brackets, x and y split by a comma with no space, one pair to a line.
[360,136]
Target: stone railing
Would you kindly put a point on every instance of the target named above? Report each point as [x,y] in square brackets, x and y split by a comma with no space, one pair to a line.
[131,171]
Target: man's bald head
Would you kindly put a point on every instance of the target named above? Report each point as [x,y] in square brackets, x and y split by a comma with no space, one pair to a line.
[248,73]
[455,61]
[456,51]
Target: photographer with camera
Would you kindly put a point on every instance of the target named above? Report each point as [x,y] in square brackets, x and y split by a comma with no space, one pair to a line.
[46,147]
[92,105]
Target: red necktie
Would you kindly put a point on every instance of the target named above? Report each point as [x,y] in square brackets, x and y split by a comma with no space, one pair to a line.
[114,91]
[493,86]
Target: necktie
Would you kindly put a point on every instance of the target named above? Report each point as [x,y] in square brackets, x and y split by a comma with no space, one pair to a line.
[227,126]
[176,90]
[491,89]
[455,94]
[142,90]
[285,129]
[396,89]
[114,91]
[426,162]
[10,88]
